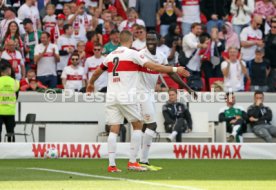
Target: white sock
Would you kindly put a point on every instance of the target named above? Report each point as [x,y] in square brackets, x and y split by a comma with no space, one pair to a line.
[135,144]
[146,144]
[173,135]
[235,129]
[111,144]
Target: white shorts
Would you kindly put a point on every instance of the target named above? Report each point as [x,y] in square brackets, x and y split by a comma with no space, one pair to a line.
[148,111]
[117,112]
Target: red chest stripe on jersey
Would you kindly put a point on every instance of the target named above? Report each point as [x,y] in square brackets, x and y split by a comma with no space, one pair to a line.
[103,67]
[249,38]
[74,77]
[92,68]
[146,70]
[123,66]
[67,46]
[190,2]
[48,54]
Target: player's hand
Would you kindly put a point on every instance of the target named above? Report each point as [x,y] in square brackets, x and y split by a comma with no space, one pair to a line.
[193,93]
[253,119]
[260,43]
[188,130]
[90,88]
[233,121]
[183,72]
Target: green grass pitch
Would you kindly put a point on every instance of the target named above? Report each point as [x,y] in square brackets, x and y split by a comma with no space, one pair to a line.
[176,174]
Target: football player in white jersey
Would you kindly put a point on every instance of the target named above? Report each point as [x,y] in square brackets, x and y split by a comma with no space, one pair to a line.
[123,66]
[147,85]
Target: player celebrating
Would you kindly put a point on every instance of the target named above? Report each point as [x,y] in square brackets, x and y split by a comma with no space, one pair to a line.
[123,67]
[146,87]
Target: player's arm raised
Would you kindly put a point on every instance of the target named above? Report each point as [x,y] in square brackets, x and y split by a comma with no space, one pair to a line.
[166,69]
[90,86]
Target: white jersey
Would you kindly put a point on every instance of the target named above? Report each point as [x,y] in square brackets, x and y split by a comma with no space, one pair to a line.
[49,23]
[74,77]
[149,78]
[123,67]
[16,61]
[91,64]
[29,12]
[191,11]
[47,64]
[249,34]
[64,43]
[164,49]
[235,80]
[126,25]
[80,24]
[138,45]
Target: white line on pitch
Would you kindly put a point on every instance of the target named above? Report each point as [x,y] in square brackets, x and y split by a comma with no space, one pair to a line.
[116,178]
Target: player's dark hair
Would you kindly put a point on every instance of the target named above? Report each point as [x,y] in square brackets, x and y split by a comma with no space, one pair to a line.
[258,92]
[66,27]
[97,44]
[75,53]
[46,33]
[195,24]
[90,35]
[172,90]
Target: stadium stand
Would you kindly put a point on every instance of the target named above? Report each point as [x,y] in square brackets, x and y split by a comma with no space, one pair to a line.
[107,16]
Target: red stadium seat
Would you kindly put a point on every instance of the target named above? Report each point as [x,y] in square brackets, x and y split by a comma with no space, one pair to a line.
[170,82]
[247,86]
[60,86]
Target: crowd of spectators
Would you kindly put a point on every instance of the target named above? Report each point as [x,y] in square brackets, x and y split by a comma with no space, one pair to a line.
[233,40]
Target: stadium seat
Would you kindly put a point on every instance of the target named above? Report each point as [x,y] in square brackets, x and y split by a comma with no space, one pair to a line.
[221,135]
[170,83]
[60,86]
[30,120]
[202,129]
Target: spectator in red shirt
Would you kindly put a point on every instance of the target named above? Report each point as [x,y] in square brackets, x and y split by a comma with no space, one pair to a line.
[26,82]
[92,38]
[104,36]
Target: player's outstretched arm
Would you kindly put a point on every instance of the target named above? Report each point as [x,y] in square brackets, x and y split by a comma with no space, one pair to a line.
[166,69]
[95,76]
[182,84]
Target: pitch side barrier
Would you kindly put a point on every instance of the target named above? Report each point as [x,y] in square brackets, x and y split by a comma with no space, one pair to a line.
[158,150]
